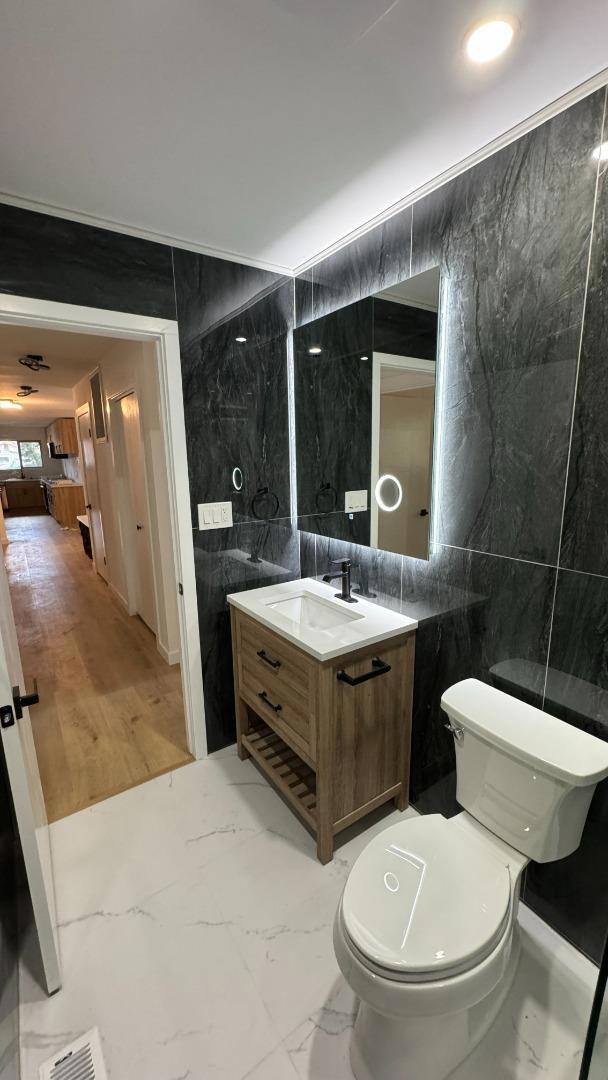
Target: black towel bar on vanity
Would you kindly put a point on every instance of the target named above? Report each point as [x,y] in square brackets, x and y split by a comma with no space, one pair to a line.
[379,668]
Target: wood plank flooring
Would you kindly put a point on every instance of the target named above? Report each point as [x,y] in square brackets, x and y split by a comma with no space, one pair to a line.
[111,713]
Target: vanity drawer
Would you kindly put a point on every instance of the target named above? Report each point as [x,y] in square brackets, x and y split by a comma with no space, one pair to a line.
[273,660]
[278,684]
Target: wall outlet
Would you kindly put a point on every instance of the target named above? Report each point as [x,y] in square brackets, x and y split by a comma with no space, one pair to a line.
[355,501]
[214,515]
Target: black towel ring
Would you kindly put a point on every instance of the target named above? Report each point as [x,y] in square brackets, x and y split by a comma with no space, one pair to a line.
[262,493]
[326,498]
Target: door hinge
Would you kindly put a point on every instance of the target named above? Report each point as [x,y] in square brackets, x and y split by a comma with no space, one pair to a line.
[180,588]
[7,716]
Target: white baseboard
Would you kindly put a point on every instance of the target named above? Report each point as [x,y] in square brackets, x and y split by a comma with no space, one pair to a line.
[170,656]
[120,598]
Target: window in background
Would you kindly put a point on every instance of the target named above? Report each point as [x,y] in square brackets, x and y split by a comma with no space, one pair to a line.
[31,454]
[17,454]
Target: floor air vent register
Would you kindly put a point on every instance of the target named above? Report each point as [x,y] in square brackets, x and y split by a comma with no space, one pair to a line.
[81,1060]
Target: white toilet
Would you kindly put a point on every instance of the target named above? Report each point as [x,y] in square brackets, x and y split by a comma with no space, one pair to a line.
[426,931]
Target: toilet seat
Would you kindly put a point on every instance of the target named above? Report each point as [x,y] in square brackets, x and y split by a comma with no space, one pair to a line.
[426,901]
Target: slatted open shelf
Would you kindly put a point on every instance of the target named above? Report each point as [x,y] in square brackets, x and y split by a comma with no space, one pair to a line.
[286,770]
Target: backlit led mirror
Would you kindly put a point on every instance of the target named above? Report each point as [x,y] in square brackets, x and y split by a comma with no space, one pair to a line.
[365,405]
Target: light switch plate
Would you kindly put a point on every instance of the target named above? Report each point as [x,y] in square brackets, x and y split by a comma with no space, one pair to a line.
[214,516]
[355,501]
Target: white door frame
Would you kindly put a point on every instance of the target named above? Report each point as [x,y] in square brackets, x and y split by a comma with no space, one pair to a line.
[401,363]
[163,333]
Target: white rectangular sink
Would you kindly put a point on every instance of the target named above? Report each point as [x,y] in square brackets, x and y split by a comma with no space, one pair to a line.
[310,615]
[306,609]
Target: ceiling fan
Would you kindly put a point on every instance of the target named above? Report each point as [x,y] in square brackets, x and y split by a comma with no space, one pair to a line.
[34,362]
[25,391]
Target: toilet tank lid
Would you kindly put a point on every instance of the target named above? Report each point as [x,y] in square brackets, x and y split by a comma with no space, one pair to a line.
[528,734]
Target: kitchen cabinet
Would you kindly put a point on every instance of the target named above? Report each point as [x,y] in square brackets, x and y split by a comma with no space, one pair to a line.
[65,502]
[62,433]
[23,494]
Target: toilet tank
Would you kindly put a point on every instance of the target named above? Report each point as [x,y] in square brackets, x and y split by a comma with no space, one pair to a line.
[525,775]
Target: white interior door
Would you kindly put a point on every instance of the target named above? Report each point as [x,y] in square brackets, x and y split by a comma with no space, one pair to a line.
[134,460]
[26,790]
[89,469]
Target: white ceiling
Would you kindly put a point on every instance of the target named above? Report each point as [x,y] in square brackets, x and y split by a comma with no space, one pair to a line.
[265,129]
[70,356]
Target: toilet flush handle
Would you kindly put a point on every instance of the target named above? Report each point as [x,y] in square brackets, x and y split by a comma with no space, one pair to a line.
[457,732]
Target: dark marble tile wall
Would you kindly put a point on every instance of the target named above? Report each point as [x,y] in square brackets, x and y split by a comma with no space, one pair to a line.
[512,238]
[248,556]
[9,972]
[235,401]
[53,259]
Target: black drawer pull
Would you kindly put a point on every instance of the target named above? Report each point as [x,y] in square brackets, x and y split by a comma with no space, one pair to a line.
[266,700]
[263,655]
[380,668]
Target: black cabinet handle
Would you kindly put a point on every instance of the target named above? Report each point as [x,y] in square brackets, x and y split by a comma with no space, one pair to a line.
[266,700]
[379,668]
[263,655]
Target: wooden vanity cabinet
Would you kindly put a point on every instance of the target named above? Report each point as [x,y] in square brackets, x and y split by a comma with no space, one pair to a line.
[335,751]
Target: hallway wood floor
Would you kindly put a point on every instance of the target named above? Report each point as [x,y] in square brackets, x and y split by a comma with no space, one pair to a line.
[111,712]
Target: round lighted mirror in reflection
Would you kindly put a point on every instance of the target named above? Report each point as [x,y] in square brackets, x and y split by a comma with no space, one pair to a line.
[388,492]
[237,479]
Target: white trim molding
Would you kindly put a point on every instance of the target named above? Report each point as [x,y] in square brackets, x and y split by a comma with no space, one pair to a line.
[577,93]
[46,314]
[596,82]
[39,207]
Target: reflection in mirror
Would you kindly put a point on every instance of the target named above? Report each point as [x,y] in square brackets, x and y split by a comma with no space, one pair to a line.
[365,404]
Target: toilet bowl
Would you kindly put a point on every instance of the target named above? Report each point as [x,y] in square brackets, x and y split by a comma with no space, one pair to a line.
[426,930]
[426,936]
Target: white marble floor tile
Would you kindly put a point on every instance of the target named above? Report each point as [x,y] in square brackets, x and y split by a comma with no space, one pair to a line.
[541,1028]
[319,1047]
[164,983]
[196,933]
[277,1066]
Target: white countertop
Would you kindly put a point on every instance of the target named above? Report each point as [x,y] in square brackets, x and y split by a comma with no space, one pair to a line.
[366,624]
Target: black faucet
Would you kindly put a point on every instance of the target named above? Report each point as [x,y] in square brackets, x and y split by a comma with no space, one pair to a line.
[344,577]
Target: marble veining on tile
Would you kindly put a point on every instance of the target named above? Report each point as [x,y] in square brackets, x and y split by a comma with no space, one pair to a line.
[195,928]
[248,556]
[585,535]
[514,239]
[54,259]
[377,260]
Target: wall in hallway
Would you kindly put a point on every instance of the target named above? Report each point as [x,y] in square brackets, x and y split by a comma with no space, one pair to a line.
[508,594]
[131,366]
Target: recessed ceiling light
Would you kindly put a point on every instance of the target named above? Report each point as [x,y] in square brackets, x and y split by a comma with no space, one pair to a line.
[315,350]
[6,403]
[488,40]
[601,152]
[365,357]
[241,339]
